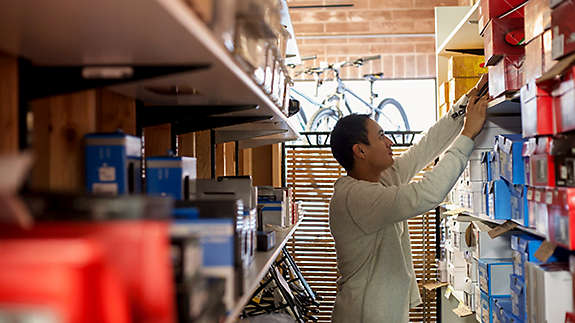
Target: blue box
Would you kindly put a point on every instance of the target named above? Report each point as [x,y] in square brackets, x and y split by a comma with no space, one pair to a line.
[170,176]
[502,310]
[498,198]
[524,247]
[113,163]
[518,302]
[494,276]
[511,162]
[486,166]
[488,308]
[519,208]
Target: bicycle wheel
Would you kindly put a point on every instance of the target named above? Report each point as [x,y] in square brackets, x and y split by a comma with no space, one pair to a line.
[322,120]
[391,116]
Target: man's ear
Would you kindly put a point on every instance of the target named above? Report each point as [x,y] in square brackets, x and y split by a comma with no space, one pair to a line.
[358,151]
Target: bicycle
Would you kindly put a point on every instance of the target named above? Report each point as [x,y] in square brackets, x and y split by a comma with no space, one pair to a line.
[389,113]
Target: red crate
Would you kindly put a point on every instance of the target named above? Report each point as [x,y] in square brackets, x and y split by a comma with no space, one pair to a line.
[498,37]
[561,210]
[563,26]
[67,278]
[536,110]
[138,250]
[506,76]
[564,103]
[489,9]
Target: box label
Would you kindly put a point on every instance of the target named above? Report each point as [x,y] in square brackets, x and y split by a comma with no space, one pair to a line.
[105,188]
[107,174]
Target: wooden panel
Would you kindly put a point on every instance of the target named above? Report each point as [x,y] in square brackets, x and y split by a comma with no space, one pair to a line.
[220,160]
[277,161]
[312,173]
[203,154]
[60,123]
[115,112]
[8,104]
[157,139]
[230,158]
[187,144]
[262,165]
[246,162]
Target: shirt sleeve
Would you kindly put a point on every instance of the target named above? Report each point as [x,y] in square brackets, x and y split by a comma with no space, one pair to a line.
[437,139]
[373,205]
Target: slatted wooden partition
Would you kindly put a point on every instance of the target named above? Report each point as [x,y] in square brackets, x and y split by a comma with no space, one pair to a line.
[312,171]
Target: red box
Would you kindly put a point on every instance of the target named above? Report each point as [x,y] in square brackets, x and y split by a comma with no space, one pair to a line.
[506,76]
[532,206]
[564,103]
[533,66]
[497,37]
[536,110]
[548,61]
[67,278]
[489,9]
[537,18]
[138,250]
[542,163]
[570,317]
[561,210]
[563,26]
[528,150]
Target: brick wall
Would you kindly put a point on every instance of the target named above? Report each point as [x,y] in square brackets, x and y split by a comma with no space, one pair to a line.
[402,57]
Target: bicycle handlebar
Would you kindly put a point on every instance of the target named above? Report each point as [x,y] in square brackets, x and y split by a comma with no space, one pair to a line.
[332,67]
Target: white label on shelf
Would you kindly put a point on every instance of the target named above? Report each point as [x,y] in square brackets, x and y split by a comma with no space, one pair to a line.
[530,195]
[563,172]
[106,174]
[538,196]
[106,188]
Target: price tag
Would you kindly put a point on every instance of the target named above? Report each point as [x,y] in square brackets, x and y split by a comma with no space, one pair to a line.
[448,293]
[501,229]
[538,196]
[462,310]
[549,197]
[545,251]
[106,174]
[530,194]
[507,145]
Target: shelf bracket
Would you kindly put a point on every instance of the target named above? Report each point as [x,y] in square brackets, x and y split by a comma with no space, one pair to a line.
[156,114]
[42,81]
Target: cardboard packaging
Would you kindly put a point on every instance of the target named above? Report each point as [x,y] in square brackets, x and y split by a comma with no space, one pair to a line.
[536,110]
[551,281]
[458,86]
[518,302]
[533,65]
[563,150]
[502,312]
[564,102]
[498,37]
[485,247]
[443,94]
[113,163]
[519,207]
[537,18]
[563,26]
[561,212]
[542,163]
[506,75]
[494,276]
[494,126]
[489,9]
[498,197]
[456,277]
[170,176]
[465,66]
[510,149]
[488,308]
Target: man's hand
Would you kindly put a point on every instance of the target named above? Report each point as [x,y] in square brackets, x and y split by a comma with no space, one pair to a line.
[481,85]
[475,116]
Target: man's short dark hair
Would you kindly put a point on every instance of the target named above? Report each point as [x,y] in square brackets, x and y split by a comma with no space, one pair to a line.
[348,131]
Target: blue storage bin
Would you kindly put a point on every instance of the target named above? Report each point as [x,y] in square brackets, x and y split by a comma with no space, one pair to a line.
[524,247]
[494,276]
[170,176]
[498,198]
[519,208]
[113,163]
[518,302]
[510,148]
[488,307]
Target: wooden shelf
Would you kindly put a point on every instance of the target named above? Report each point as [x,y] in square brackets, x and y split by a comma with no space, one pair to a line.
[258,269]
[505,105]
[135,32]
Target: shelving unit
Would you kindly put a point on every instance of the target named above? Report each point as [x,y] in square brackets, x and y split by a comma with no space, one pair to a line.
[259,268]
[158,33]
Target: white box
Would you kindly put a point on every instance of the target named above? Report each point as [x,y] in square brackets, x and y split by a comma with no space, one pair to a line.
[456,277]
[471,270]
[495,126]
[456,259]
[477,308]
[554,293]
[485,247]
[494,276]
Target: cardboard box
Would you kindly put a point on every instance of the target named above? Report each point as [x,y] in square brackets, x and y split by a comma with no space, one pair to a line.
[494,126]
[561,213]
[528,149]
[477,298]
[533,65]
[443,93]
[542,163]
[502,312]
[494,276]
[459,86]
[170,176]
[489,9]
[552,281]
[456,259]
[471,269]
[485,247]
[537,18]
[536,110]
[564,102]
[563,150]
[456,277]
[499,195]
[113,163]
[518,302]
[488,309]
[486,166]
[524,247]
[548,61]
[510,149]
[540,211]
[563,26]
[465,66]
[506,75]
[519,207]
[443,109]
[498,37]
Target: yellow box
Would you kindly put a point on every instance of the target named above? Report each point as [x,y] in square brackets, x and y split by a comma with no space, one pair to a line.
[443,93]
[459,86]
[465,66]
[443,109]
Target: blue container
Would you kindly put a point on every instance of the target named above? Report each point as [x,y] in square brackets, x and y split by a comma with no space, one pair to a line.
[494,276]
[486,166]
[519,208]
[170,176]
[498,196]
[518,302]
[113,163]
[524,247]
[510,148]
[488,306]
